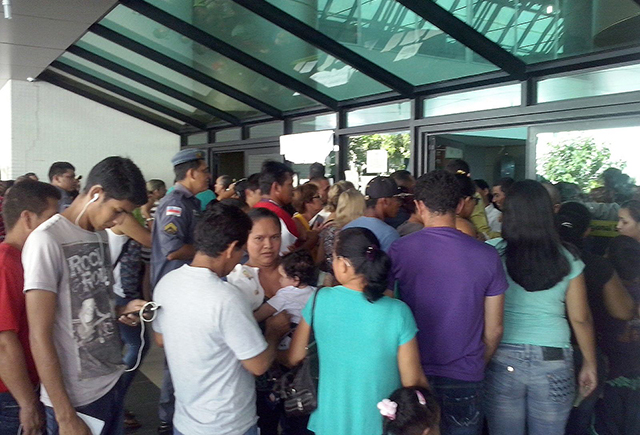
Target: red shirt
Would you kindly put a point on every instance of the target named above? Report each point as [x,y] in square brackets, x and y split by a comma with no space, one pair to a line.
[13,313]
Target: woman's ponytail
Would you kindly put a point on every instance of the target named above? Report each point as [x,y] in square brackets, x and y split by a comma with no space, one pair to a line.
[361,247]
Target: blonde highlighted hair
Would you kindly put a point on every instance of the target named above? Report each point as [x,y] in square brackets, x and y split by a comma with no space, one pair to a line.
[334,194]
[351,205]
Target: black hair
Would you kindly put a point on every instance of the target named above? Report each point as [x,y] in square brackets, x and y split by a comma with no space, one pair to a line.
[534,253]
[219,226]
[252,183]
[181,170]
[439,191]
[273,172]
[226,181]
[316,170]
[634,209]
[299,264]
[259,213]
[573,220]
[458,166]
[27,195]
[505,184]
[624,254]
[362,248]
[120,179]
[5,185]
[568,191]
[482,184]
[235,202]
[467,187]
[413,416]
[59,168]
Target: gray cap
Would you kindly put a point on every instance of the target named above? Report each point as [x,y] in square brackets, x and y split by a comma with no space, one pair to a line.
[188,155]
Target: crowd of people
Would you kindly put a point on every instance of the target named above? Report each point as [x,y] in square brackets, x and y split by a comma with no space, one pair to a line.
[440,304]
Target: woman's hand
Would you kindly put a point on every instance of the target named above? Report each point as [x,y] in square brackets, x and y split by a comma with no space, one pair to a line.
[587,380]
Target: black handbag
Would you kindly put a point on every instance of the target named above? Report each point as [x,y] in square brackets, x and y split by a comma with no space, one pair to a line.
[298,387]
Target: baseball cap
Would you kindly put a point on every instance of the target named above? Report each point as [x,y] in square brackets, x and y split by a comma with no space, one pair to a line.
[188,155]
[382,187]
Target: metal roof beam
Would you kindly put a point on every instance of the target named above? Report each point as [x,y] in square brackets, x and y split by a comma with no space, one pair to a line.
[104,99]
[321,41]
[218,45]
[142,79]
[185,70]
[127,94]
[468,36]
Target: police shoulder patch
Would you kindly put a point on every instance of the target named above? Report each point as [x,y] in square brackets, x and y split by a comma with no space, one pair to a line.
[171,229]
[174,211]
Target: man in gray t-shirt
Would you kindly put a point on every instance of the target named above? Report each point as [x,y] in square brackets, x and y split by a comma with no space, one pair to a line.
[213,371]
[69,298]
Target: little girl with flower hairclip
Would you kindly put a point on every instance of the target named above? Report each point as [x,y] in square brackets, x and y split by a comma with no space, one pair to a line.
[410,411]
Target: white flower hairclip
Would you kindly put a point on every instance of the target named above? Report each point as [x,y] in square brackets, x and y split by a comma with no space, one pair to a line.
[388,409]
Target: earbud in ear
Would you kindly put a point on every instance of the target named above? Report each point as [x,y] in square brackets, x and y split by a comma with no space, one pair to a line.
[96,196]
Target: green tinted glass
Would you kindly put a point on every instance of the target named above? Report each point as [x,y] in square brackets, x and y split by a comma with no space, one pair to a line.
[254,35]
[170,43]
[135,87]
[164,75]
[391,36]
[537,31]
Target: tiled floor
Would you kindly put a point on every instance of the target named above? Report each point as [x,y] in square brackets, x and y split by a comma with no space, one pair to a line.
[144,393]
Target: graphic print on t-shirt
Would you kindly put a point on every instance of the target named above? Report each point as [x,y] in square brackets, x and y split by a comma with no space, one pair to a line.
[94,327]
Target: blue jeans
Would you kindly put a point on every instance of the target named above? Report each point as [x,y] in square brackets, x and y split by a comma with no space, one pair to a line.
[529,389]
[460,404]
[253,430]
[9,415]
[130,336]
[167,402]
[109,408]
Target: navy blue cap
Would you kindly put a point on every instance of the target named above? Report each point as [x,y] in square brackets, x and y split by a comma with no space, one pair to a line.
[188,155]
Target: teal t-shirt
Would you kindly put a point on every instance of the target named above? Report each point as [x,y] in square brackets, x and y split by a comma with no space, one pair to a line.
[205,197]
[537,318]
[358,350]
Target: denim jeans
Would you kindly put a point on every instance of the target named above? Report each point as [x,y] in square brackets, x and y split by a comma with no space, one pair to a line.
[461,405]
[130,336]
[253,430]
[167,403]
[529,390]
[9,415]
[109,408]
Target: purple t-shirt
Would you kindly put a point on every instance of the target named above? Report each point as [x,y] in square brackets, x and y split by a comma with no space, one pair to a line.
[444,276]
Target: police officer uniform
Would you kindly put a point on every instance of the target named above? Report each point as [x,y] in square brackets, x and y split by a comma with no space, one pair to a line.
[175,222]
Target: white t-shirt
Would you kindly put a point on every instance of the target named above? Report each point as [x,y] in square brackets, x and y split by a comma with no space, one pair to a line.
[116,243]
[62,258]
[246,279]
[493,218]
[208,328]
[292,300]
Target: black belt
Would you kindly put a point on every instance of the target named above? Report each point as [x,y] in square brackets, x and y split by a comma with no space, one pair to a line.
[552,353]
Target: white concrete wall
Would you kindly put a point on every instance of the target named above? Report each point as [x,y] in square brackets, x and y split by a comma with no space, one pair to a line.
[5,132]
[51,124]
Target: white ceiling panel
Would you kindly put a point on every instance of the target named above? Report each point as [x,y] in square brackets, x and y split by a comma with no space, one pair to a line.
[19,72]
[26,55]
[40,32]
[82,11]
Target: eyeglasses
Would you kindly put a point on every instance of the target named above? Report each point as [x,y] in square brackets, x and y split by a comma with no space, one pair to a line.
[316,197]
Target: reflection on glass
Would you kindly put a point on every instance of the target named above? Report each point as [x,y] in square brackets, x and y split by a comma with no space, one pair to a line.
[198,139]
[366,156]
[188,52]
[269,129]
[142,65]
[378,114]
[228,134]
[590,84]
[315,123]
[391,36]
[537,31]
[305,149]
[134,87]
[235,25]
[471,101]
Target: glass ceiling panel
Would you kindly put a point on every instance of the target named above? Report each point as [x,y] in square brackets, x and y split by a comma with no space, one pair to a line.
[135,87]
[540,30]
[163,40]
[391,36]
[120,99]
[246,31]
[153,70]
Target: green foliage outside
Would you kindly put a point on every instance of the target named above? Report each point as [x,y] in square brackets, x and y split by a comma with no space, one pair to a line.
[398,148]
[578,160]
